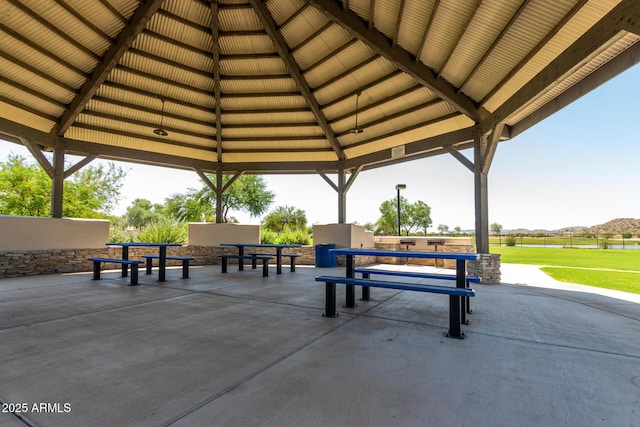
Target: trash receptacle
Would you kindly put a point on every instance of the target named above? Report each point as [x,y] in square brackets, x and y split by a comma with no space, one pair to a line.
[323,257]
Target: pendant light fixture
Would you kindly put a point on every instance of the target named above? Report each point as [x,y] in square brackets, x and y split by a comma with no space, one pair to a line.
[357,129]
[160,131]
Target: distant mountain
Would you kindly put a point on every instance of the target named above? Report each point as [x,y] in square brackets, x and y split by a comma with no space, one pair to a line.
[615,226]
[618,226]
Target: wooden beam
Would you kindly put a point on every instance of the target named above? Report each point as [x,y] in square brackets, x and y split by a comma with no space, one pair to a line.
[327,179]
[79,165]
[380,44]
[232,180]
[206,180]
[414,150]
[460,157]
[112,57]
[585,47]
[57,183]
[40,158]
[425,33]
[283,50]
[611,69]
[352,177]
[533,52]
[495,43]
[215,50]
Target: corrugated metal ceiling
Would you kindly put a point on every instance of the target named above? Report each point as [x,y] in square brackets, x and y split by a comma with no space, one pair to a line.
[280,78]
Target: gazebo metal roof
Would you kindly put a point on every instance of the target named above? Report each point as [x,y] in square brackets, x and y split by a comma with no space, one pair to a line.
[252,86]
[271,86]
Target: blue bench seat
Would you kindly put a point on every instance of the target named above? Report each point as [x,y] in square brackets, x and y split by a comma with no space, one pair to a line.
[292,257]
[125,262]
[253,258]
[455,295]
[368,271]
[185,263]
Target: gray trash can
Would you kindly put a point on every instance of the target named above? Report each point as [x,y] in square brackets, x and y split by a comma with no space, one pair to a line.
[324,258]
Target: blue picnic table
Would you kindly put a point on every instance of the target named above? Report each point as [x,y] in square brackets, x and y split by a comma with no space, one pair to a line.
[277,247]
[457,305]
[162,259]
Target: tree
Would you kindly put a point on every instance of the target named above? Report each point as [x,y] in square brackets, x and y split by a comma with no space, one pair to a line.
[285,218]
[442,228]
[411,216]
[421,213]
[248,193]
[496,228]
[93,192]
[387,224]
[142,212]
[25,189]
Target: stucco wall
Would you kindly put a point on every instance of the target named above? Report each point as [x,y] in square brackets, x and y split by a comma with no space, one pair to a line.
[212,234]
[20,233]
[343,235]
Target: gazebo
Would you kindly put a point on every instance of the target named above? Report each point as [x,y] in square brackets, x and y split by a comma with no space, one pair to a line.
[292,86]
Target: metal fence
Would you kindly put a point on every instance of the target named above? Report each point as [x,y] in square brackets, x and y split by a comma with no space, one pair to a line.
[593,241]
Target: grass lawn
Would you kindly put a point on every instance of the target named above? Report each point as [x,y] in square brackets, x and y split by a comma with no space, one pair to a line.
[620,281]
[590,266]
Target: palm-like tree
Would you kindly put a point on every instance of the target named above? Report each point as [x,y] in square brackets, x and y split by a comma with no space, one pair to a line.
[285,217]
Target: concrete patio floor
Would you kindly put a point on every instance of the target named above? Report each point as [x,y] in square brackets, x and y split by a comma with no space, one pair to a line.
[242,350]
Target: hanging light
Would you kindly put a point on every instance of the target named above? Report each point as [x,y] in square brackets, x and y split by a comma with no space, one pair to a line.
[357,129]
[160,131]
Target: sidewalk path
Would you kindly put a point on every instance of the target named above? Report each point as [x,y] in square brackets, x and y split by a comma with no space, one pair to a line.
[531,275]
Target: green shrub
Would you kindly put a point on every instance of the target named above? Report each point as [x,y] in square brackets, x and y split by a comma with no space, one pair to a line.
[118,234]
[163,231]
[268,237]
[293,237]
[510,241]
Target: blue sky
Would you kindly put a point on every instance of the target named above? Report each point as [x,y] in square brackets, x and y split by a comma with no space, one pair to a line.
[580,166]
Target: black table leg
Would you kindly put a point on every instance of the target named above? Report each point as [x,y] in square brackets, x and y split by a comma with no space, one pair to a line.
[278,260]
[366,290]
[454,317]
[330,300]
[351,289]
[162,263]
[461,282]
[96,270]
[125,255]
[240,260]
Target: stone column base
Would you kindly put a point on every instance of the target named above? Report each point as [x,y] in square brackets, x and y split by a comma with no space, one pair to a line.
[487,267]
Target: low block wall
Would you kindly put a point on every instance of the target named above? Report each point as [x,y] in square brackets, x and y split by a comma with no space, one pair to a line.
[30,263]
[16,263]
[212,234]
[26,233]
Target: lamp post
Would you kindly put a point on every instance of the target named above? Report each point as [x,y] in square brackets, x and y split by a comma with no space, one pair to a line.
[399,187]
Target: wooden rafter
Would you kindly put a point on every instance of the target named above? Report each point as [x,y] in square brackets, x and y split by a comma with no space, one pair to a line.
[137,23]
[215,35]
[379,43]
[464,30]
[372,11]
[398,23]
[425,34]
[535,50]
[596,37]
[296,74]
[495,43]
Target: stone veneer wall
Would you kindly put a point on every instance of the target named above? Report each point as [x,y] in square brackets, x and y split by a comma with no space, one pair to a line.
[487,267]
[27,263]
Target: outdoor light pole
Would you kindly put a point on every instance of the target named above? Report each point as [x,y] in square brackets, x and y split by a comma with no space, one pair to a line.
[399,187]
